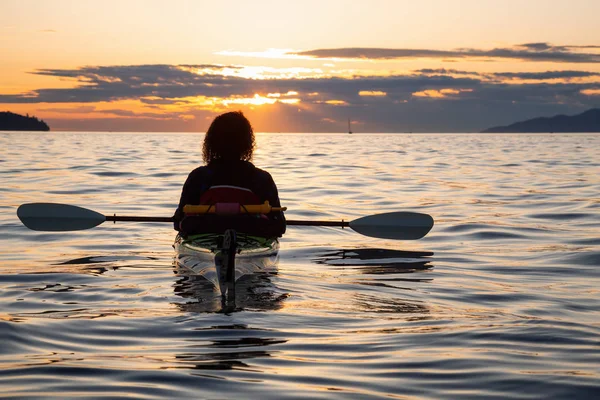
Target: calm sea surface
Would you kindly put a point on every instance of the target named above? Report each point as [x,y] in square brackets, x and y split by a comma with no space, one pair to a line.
[501,299]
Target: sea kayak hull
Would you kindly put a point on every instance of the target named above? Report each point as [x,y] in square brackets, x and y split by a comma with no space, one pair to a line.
[202,255]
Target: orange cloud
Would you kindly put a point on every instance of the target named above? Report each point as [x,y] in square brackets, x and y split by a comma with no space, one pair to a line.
[429,93]
[374,93]
[439,94]
[591,92]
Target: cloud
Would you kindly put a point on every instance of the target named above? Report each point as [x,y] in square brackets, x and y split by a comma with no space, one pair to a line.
[161,101]
[541,46]
[445,71]
[133,114]
[440,94]
[544,75]
[533,52]
[372,93]
[70,110]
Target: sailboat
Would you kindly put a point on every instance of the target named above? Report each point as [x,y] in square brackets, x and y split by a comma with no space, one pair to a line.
[349,129]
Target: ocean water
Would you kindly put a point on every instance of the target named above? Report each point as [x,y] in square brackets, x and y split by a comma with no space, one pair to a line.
[501,299]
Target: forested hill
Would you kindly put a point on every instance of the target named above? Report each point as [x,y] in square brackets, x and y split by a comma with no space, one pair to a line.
[588,121]
[15,122]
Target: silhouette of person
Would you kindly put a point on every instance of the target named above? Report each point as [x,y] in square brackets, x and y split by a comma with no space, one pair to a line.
[230,177]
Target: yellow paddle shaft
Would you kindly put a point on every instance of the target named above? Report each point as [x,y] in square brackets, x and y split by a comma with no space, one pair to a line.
[230,208]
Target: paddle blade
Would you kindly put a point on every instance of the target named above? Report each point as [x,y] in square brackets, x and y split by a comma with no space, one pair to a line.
[56,217]
[394,225]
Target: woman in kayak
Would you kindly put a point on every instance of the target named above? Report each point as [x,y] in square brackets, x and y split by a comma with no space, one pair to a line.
[229,177]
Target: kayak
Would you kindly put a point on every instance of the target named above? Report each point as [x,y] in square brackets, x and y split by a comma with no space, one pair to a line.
[212,255]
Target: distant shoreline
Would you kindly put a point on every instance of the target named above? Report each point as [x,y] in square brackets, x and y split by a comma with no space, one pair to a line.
[15,122]
[586,122]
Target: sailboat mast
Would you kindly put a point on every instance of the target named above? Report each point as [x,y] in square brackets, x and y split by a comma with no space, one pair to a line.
[349,129]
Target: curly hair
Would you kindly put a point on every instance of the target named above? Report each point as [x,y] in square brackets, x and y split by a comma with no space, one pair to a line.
[230,137]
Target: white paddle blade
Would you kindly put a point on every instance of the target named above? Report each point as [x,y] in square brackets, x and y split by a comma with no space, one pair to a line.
[394,225]
[56,217]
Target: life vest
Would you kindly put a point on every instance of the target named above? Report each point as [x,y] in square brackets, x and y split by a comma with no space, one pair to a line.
[229,194]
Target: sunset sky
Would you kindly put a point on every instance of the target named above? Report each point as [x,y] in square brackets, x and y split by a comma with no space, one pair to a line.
[298,66]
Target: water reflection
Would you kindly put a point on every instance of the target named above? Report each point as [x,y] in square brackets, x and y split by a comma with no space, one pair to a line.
[375,261]
[219,361]
[88,264]
[233,353]
[378,304]
[254,292]
[98,264]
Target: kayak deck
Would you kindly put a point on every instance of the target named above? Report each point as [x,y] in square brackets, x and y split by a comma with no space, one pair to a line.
[204,255]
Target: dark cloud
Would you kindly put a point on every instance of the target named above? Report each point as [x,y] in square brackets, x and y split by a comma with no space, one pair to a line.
[540,46]
[128,113]
[445,71]
[546,75]
[511,75]
[158,101]
[525,52]
[70,110]
[583,47]
[377,53]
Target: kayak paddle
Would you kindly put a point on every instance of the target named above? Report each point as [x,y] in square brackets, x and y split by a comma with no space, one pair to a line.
[56,217]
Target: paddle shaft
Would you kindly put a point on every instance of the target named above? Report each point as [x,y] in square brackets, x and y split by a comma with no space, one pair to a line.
[124,218]
[343,224]
[116,218]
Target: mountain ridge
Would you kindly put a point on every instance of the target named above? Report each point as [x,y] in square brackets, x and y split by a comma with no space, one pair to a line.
[588,121]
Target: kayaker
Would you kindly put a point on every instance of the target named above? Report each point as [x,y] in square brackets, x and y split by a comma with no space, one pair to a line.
[230,177]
